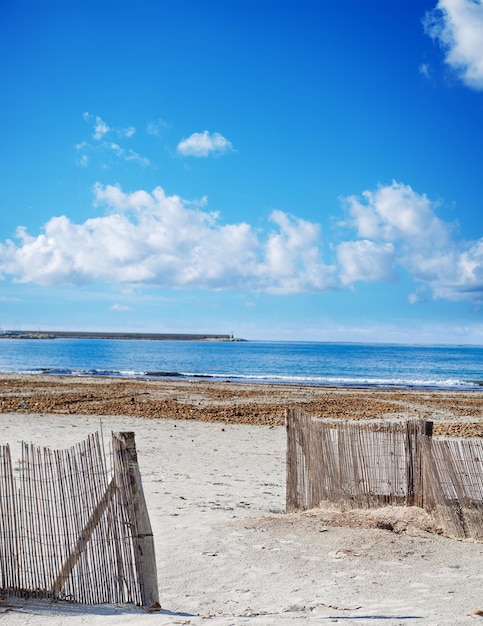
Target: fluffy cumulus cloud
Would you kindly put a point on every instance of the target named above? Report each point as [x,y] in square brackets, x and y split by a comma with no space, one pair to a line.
[204,144]
[458,26]
[365,260]
[156,239]
[151,238]
[398,228]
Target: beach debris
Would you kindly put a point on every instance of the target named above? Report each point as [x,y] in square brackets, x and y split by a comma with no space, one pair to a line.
[349,552]
[385,525]
[340,608]
[454,415]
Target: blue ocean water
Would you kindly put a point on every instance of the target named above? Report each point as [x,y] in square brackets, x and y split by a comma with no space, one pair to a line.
[341,364]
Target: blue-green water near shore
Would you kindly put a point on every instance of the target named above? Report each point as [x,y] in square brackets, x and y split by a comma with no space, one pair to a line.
[341,364]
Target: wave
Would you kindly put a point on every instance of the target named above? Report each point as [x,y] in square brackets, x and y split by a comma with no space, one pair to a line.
[327,381]
[65,371]
[338,381]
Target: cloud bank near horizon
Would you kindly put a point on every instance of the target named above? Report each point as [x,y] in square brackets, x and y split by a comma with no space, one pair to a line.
[153,239]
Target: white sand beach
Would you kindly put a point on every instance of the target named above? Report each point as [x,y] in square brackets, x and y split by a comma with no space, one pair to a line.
[227,554]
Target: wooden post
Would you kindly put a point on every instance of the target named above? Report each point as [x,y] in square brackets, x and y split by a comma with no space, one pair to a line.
[427,428]
[414,430]
[289,465]
[149,576]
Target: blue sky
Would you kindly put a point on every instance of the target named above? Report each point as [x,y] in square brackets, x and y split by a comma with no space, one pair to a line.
[287,170]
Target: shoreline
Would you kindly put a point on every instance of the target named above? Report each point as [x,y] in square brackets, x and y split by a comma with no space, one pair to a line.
[162,375]
[454,413]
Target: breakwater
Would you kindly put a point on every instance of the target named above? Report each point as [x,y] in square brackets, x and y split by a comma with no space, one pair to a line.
[61,334]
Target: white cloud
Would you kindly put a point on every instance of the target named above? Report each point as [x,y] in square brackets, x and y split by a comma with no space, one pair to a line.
[203,144]
[397,213]
[103,145]
[155,239]
[458,26]
[150,238]
[365,260]
[83,160]
[423,245]
[120,308]
[292,257]
[99,126]
[416,297]
[126,154]
[425,70]
[156,128]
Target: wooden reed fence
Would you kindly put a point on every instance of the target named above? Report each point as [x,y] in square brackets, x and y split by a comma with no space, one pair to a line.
[70,528]
[453,484]
[372,464]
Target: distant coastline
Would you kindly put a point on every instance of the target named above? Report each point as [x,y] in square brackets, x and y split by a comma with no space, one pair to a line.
[61,334]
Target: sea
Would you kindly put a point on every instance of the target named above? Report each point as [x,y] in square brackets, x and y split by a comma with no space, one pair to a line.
[300,363]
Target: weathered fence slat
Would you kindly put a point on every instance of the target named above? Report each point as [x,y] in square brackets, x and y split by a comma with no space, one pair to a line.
[10,551]
[68,526]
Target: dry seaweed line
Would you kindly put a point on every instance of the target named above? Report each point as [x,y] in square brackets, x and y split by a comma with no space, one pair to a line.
[69,527]
[368,465]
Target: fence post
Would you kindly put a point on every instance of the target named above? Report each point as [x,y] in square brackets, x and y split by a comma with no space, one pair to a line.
[414,430]
[297,468]
[291,468]
[149,576]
